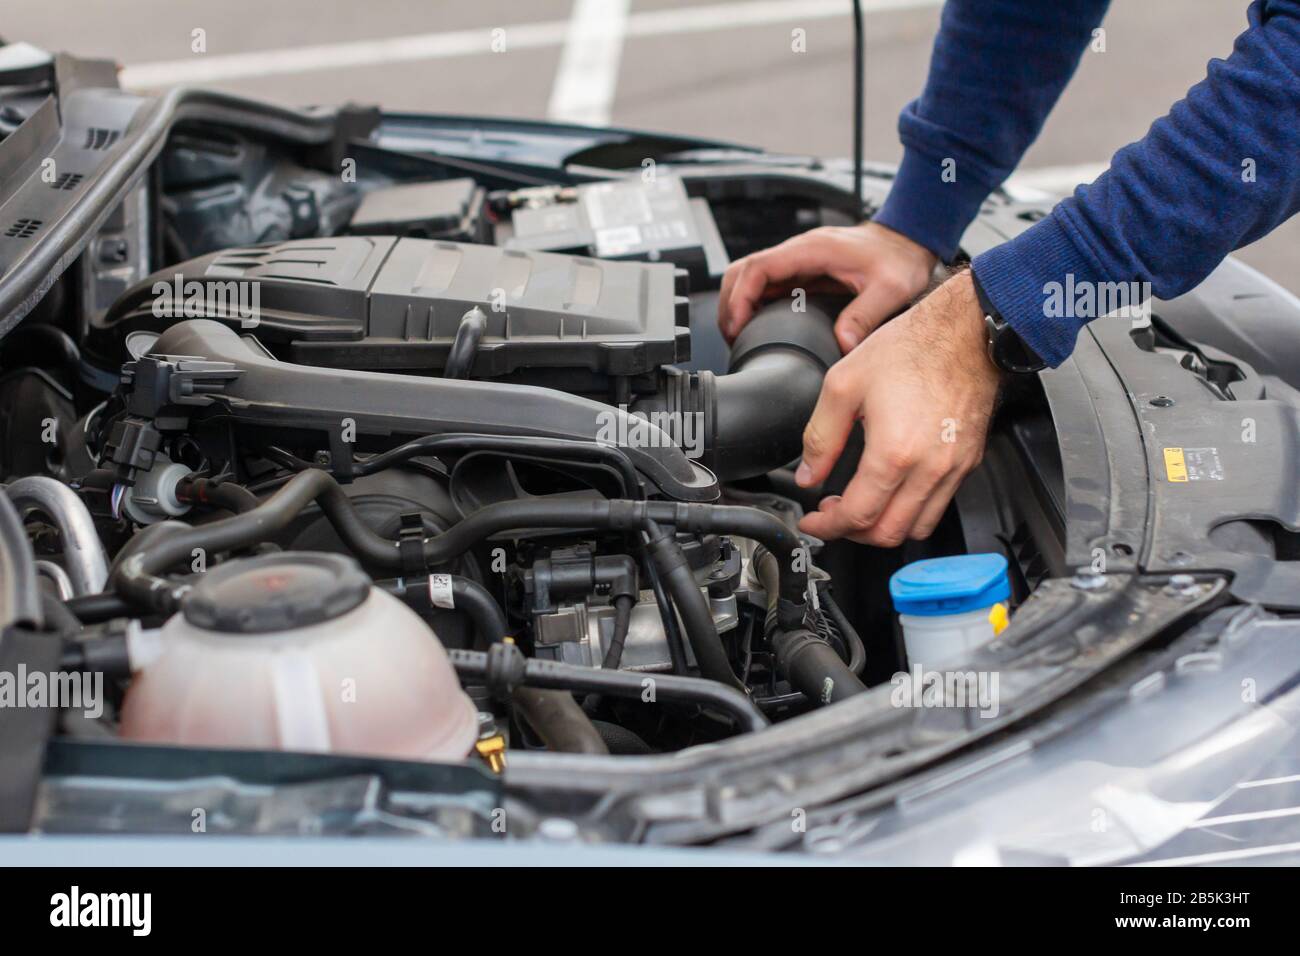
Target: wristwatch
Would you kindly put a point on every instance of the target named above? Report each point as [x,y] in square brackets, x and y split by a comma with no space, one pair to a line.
[1007,350]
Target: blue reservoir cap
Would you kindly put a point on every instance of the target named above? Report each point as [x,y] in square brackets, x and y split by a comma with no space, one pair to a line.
[938,586]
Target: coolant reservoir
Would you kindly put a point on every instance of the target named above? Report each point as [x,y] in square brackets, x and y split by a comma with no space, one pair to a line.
[950,606]
[298,651]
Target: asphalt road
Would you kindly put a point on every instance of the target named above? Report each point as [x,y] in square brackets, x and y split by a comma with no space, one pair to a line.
[727,69]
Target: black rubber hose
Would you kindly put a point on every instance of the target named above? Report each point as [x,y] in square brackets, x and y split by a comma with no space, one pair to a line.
[541,447]
[558,720]
[20,592]
[754,416]
[813,667]
[622,622]
[602,514]
[467,595]
[98,608]
[137,577]
[464,347]
[223,494]
[857,650]
[697,619]
[804,657]
[473,666]
[616,515]
[620,740]
[761,526]
[761,406]
[762,409]
[608,455]
[667,615]
[556,717]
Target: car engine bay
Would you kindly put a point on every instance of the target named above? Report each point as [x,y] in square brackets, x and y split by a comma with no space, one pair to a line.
[383,473]
[460,420]
[379,484]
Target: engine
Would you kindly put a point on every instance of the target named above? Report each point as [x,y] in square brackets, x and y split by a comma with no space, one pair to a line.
[429,498]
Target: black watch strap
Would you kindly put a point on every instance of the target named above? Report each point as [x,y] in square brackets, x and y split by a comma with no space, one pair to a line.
[1007,350]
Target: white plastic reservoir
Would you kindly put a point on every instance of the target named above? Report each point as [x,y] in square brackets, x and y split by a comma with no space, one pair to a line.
[298,652]
[950,606]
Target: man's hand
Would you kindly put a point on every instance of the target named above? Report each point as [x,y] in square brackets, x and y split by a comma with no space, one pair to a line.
[883,269]
[924,388]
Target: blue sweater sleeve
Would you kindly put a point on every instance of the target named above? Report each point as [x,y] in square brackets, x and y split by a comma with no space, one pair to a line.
[997,69]
[1219,171]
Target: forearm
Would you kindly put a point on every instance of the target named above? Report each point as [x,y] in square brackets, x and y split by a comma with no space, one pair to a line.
[1216,173]
[997,69]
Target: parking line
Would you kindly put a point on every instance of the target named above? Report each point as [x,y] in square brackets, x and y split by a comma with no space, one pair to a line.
[588,72]
[203,68]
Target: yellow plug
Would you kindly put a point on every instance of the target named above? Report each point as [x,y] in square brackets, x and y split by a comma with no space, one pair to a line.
[493,751]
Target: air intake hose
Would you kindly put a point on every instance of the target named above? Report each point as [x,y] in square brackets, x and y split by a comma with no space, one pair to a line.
[753,417]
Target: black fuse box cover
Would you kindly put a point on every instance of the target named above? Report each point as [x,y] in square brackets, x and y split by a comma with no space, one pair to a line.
[447,209]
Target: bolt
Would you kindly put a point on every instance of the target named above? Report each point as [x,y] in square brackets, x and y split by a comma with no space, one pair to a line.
[557,828]
[1087,581]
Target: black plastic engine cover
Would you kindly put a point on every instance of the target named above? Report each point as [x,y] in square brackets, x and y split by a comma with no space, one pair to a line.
[380,302]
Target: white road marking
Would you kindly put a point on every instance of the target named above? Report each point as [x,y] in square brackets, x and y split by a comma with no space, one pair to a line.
[209,68]
[216,68]
[588,71]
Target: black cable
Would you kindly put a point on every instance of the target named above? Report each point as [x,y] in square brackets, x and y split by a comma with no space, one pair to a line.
[464,347]
[612,456]
[857,650]
[693,608]
[473,666]
[98,608]
[138,579]
[859,66]
[222,494]
[667,613]
[619,739]
[622,622]
[466,595]
[804,657]
[553,448]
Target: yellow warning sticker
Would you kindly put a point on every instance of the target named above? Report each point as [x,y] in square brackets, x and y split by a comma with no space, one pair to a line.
[1175,464]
